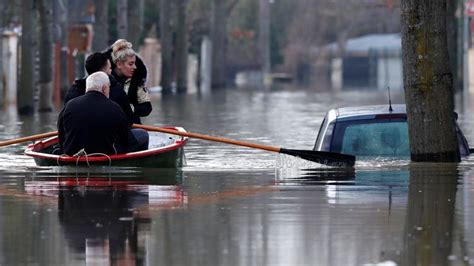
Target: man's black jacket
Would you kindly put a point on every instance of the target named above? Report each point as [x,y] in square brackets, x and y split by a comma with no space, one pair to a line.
[94,123]
[117,94]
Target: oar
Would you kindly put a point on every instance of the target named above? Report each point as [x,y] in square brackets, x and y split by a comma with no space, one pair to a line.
[322,157]
[30,138]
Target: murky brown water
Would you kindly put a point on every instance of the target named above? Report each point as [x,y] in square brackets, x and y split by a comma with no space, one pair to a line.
[232,205]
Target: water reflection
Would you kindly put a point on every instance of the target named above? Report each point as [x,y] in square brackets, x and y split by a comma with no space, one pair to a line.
[232,205]
[105,218]
[317,176]
[357,219]
[303,216]
[429,225]
[418,204]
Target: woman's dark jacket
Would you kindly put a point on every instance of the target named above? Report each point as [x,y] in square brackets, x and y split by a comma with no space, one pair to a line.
[117,94]
[94,123]
[137,82]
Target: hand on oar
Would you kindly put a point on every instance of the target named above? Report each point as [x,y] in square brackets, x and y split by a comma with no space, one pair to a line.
[322,157]
[29,138]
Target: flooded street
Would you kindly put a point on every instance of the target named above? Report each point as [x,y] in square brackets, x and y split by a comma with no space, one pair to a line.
[231,205]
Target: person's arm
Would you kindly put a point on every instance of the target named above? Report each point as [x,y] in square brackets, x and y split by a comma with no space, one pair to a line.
[126,108]
[61,133]
[118,96]
[71,94]
[77,89]
[143,107]
[124,130]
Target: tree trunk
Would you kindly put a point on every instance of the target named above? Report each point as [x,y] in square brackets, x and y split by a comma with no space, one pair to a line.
[28,54]
[428,82]
[219,43]
[45,8]
[101,26]
[264,37]
[63,12]
[166,46]
[220,12]
[135,22]
[60,14]
[181,48]
[122,18]
[452,38]
[2,15]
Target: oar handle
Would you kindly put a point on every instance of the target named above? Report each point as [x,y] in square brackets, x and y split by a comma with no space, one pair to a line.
[207,137]
[29,138]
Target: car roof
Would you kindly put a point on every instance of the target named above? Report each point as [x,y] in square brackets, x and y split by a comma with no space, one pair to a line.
[364,112]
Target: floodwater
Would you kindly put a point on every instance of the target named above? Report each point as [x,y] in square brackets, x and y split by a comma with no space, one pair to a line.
[232,205]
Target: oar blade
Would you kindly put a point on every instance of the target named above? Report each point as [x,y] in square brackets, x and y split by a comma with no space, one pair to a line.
[323,157]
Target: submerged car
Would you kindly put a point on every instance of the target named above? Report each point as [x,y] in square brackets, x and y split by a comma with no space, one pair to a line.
[370,131]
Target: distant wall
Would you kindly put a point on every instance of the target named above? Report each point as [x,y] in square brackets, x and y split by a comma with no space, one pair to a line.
[372,71]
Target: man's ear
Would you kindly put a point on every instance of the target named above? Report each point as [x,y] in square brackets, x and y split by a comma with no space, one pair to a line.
[104,90]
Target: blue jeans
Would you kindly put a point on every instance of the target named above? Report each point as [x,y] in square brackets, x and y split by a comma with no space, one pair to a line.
[138,140]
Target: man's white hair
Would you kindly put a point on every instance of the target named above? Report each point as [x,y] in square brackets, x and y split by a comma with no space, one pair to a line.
[96,81]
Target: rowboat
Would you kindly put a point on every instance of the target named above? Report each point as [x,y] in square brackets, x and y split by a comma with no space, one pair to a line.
[164,151]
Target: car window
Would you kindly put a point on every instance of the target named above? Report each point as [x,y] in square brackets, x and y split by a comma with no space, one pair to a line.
[372,138]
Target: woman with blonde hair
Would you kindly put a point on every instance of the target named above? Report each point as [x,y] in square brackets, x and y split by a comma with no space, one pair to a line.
[130,71]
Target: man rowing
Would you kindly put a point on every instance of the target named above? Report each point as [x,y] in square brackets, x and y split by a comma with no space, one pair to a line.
[92,123]
[99,61]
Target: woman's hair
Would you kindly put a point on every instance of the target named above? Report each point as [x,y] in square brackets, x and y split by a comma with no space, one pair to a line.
[121,49]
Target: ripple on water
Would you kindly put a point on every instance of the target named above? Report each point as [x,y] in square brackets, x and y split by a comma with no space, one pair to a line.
[15,162]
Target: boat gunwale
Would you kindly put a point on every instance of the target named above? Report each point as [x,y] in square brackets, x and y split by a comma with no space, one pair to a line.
[30,151]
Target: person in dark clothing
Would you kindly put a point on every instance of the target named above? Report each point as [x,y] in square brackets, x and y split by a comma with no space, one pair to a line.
[100,62]
[130,71]
[95,124]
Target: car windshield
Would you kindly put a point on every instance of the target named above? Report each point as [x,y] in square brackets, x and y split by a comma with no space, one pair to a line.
[372,138]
